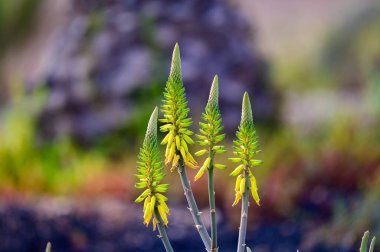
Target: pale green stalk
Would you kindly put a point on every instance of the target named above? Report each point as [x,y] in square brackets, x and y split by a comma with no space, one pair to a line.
[243,217]
[193,208]
[161,229]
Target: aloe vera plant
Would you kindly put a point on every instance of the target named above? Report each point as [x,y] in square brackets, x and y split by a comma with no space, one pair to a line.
[245,150]
[150,175]
[178,137]
[209,137]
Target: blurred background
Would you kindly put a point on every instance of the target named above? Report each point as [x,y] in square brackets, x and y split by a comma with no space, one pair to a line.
[79,79]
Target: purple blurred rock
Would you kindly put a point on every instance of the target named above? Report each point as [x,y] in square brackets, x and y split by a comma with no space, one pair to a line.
[113,49]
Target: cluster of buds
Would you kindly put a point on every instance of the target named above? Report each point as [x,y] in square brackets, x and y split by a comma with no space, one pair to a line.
[245,148]
[175,119]
[150,174]
[210,130]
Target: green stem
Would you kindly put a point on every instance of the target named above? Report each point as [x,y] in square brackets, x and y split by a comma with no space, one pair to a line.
[161,229]
[193,206]
[211,197]
[244,216]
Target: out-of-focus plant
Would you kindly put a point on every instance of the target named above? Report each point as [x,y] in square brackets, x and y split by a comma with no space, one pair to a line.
[48,247]
[364,243]
[29,163]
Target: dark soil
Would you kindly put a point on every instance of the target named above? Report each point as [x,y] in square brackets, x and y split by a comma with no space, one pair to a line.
[112,225]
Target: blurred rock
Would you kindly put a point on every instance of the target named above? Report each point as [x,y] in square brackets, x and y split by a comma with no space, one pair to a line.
[113,50]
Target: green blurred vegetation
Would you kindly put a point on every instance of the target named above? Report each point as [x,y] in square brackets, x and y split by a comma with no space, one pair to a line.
[29,164]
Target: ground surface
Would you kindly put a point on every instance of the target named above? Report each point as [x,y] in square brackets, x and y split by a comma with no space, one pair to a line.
[111,225]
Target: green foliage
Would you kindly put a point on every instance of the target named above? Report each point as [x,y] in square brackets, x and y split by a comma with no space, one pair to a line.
[245,148]
[210,130]
[176,121]
[150,175]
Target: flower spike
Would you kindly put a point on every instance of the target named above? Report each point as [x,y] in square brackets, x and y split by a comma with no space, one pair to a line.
[176,121]
[245,148]
[150,174]
[210,131]
[178,138]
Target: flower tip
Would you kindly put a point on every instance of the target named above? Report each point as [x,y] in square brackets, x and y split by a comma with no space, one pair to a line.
[152,125]
[246,113]
[175,69]
[214,92]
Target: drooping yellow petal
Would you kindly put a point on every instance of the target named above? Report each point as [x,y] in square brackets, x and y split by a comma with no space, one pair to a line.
[154,224]
[148,213]
[190,158]
[237,198]
[237,184]
[254,190]
[165,140]
[220,166]
[163,215]
[190,165]
[177,142]
[200,153]
[242,185]
[237,170]
[184,145]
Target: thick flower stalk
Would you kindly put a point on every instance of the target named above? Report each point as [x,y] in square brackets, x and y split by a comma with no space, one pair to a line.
[245,148]
[209,137]
[178,137]
[150,174]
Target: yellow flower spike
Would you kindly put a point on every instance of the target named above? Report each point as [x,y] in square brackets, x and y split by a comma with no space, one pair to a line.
[245,150]
[150,172]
